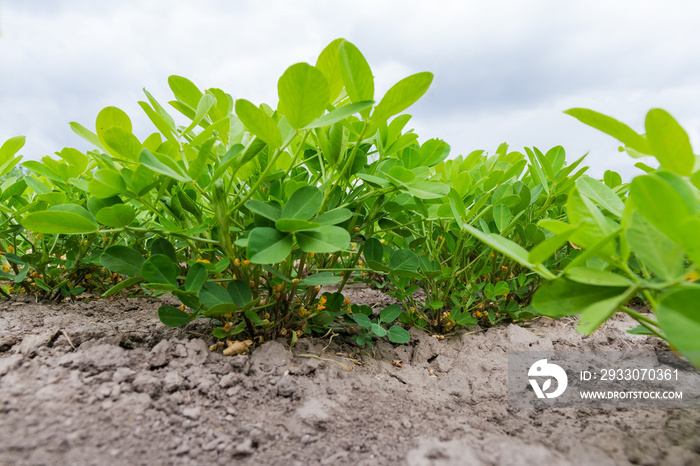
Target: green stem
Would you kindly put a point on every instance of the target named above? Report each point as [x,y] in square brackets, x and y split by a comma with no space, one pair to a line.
[639,317]
[348,166]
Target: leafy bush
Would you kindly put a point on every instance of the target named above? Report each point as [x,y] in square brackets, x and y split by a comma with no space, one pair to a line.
[243,213]
[639,240]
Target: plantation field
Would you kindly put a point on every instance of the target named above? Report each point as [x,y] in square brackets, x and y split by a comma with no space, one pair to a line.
[136,392]
[312,283]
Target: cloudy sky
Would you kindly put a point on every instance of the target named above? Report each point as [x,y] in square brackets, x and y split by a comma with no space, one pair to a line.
[504,70]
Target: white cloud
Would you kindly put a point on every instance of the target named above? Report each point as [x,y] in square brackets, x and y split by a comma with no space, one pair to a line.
[504,70]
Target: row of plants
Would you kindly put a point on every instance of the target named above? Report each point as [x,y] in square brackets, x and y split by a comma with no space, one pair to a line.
[243,212]
[644,245]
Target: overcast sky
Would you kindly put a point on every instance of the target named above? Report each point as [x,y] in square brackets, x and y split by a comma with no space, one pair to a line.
[504,70]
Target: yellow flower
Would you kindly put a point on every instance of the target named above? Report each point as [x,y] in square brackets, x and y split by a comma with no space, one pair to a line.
[203,260]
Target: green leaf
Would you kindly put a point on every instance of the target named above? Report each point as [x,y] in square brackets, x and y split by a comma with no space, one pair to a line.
[510,249]
[329,65]
[290,225]
[640,330]
[334,217]
[10,147]
[563,297]
[212,294]
[122,142]
[612,179]
[592,224]
[502,217]
[401,175]
[428,189]
[374,180]
[159,269]
[404,259]
[489,291]
[612,127]
[116,216]
[433,151]
[669,142]
[324,239]
[61,219]
[338,114]
[604,196]
[390,313]
[164,247]
[88,135]
[240,292]
[378,330]
[122,260]
[196,277]
[42,169]
[546,165]
[536,170]
[320,279]
[163,165]
[356,73]
[220,309]
[689,238]
[173,317]
[679,318]
[659,203]
[373,250]
[106,183]
[662,256]
[268,246]
[501,289]
[121,286]
[548,247]
[111,117]
[36,185]
[185,91]
[259,123]
[188,298]
[206,102]
[263,209]
[596,277]
[160,111]
[597,313]
[362,320]
[165,126]
[402,95]
[304,94]
[303,204]
[398,335]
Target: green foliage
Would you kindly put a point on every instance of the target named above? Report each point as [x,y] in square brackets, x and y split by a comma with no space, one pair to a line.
[244,212]
[643,245]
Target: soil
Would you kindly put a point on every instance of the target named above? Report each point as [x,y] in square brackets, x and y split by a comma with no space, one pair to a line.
[103,382]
